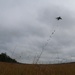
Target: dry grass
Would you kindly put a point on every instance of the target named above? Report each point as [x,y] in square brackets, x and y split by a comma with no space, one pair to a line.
[31,69]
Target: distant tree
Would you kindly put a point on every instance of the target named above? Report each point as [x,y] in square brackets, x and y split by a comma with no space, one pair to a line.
[5,58]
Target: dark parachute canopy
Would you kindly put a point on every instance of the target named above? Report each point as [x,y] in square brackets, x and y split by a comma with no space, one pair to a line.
[59,18]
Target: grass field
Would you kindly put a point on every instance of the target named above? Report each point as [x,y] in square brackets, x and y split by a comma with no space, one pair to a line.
[33,69]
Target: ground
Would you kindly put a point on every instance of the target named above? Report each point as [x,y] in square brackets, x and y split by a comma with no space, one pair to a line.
[34,69]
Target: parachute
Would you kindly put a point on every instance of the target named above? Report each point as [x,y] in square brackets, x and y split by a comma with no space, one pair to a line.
[59,18]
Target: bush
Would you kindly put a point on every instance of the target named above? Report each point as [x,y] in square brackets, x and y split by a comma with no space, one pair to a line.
[5,58]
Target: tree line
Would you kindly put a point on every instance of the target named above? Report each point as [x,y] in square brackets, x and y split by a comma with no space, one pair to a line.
[5,58]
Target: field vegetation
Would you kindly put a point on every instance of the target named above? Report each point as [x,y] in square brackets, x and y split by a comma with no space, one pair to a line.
[35,69]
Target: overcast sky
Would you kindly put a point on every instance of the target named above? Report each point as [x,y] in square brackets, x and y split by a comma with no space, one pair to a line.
[25,27]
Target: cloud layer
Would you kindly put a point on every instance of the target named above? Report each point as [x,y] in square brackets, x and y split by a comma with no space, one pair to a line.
[25,26]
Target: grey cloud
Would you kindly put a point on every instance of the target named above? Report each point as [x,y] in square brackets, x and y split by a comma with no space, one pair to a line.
[25,27]
[63,39]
